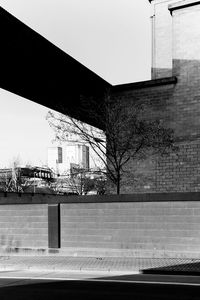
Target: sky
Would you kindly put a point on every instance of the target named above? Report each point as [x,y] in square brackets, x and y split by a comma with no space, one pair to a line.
[110,37]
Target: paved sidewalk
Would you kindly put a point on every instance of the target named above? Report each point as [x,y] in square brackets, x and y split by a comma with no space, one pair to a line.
[106,264]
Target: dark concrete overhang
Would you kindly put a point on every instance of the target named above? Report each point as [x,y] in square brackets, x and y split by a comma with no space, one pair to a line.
[144,84]
[34,68]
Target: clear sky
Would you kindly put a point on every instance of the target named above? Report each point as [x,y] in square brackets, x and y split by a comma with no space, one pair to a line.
[111,37]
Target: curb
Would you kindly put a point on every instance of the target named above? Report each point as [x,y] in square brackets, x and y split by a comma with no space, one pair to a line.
[107,265]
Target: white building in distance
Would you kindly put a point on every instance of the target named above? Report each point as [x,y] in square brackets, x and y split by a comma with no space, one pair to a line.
[61,159]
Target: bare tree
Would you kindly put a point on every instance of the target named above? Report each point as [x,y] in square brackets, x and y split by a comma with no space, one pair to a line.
[10,180]
[81,183]
[125,133]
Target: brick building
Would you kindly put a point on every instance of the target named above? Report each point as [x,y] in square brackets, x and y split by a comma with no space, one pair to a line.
[174,96]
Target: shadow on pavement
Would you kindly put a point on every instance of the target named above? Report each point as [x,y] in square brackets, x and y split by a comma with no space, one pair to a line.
[37,290]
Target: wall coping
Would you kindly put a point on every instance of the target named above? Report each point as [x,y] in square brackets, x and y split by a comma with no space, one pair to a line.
[182,4]
[15,198]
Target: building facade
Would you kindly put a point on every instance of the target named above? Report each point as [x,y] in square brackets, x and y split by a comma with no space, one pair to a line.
[60,159]
[173,96]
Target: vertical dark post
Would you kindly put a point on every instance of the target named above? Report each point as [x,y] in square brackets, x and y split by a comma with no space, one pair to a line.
[54,225]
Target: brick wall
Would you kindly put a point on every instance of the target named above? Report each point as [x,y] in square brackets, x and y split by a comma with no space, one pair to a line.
[180,172]
[140,176]
[178,105]
[179,108]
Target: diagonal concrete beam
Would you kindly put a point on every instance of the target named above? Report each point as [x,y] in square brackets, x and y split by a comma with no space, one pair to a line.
[34,68]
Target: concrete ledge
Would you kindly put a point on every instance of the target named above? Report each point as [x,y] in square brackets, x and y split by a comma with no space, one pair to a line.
[100,253]
[14,198]
[104,252]
[145,84]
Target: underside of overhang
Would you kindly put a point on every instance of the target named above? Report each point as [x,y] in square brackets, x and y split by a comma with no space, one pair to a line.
[34,68]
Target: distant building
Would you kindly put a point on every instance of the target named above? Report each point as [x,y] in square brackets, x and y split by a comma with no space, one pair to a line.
[25,179]
[77,154]
[60,159]
[54,158]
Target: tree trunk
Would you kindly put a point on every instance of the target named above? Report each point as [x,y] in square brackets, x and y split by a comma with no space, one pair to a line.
[118,184]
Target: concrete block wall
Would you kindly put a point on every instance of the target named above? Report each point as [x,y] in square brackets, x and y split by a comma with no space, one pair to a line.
[23,222]
[153,229]
[186,67]
[139,225]
[186,32]
[175,34]
[23,226]
[161,38]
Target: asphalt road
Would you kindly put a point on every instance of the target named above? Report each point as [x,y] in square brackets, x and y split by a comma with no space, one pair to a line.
[98,289]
